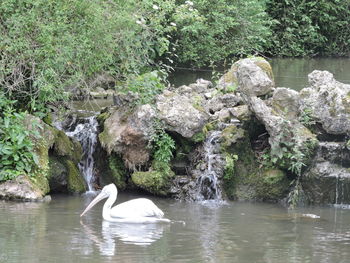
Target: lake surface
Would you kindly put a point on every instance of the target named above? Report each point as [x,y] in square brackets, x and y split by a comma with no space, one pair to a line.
[288,72]
[231,232]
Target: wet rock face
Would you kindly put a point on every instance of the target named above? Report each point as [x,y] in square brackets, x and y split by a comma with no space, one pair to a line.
[329,101]
[327,183]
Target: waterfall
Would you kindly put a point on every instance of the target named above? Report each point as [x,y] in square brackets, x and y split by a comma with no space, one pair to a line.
[86,133]
[208,186]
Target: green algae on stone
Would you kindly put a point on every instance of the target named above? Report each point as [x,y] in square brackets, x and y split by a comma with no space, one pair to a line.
[156,181]
[65,146]
[273,185]
[75,182]
[231,134]
[117,171]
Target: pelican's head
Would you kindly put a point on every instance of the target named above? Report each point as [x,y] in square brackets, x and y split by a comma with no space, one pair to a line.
[108,190]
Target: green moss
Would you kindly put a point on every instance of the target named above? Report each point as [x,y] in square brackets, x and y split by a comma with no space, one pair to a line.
[197,103]
[117,171]
[152,181]
[265,66]
[209,127]
[198,137]
[102,117]
[231,134]
[64,146]
[75,182]
[273,185]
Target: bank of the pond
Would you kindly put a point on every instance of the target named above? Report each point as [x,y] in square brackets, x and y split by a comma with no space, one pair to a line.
[242,138]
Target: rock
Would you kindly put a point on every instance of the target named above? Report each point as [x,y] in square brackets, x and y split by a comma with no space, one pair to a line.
[154,182]
[286,102]
[285,135]
[21,188]
[128,134]
[63,173]
[252,76]
[327,183]
[64,176]
[329,102]
[273,185]
[181,114]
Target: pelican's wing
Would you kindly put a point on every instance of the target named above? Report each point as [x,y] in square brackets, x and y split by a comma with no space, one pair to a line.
[140,207]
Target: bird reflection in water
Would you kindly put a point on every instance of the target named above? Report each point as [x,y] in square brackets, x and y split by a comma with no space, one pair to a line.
[136,234]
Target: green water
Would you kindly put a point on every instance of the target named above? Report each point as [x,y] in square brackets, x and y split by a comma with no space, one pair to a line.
[290,73]
[233,232]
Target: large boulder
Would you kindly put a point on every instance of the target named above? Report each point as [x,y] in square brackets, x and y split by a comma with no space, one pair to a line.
[252,76]
[184,115]
[22,188]
[328,102]
[127,134]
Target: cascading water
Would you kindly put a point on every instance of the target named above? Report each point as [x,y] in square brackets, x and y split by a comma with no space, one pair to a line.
[86,133]
[208,187]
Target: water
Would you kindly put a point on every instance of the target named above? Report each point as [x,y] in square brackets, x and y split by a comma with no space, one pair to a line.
[208,184]
[235,232]
[288,72]
[86,133]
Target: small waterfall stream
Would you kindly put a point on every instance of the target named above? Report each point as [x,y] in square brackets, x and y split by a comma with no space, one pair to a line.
[208,187]
[86,133]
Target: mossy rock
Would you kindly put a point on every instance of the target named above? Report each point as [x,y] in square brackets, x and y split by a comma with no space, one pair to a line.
[65,146]
[265,66]
[198,137]
[155,182]
[102,117]
[231,134]
[273,185]
[64,176]
[75,182]
[117,171]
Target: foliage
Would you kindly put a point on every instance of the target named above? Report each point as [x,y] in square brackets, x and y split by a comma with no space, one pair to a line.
[286,153]
[306,117]
[48,47]
[296,197]
[210,31]
[309,27]
[16,147]
[230,160]
[145,86]
[161,143]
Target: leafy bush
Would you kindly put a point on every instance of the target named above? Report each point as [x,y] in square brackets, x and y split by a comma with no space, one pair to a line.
[161,143]
[309,27]
[211,30]
[16,147]
[48,47]
[146,86]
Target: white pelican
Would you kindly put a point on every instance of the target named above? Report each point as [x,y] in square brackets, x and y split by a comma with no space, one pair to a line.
[140,210]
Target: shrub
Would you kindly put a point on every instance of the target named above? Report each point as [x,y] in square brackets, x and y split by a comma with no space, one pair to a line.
[16,147]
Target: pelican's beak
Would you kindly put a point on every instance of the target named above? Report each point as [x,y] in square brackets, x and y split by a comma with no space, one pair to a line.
[97,199]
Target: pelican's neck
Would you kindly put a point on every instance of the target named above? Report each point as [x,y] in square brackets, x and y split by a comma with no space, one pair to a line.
[106,212]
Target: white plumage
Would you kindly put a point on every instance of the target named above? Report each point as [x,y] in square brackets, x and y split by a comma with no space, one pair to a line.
[140,210]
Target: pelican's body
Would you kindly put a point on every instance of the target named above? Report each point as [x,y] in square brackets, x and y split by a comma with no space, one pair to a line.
[140,210]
